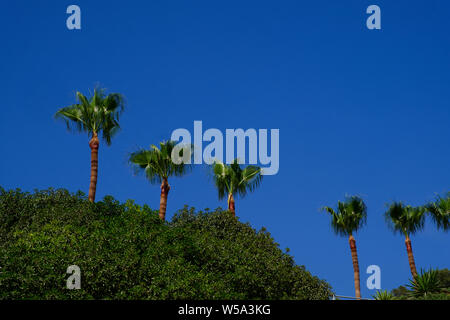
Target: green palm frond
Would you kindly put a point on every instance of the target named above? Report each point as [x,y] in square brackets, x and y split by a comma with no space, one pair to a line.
[425,283]
[252,177]
[99,114]
[156,163]
[405,219]
[234,179]
[221,178]
[350,216]
[73,118]
[384,295]
[440,212]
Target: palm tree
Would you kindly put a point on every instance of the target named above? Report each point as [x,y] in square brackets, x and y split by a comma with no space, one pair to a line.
[350,216]
[407,220]
[98,114]
[231,180]
[158,166]
[440,212]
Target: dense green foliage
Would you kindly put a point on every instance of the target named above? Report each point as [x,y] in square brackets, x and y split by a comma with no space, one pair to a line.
[427,282]
[429,285]
[125,251]
[383,295]
[444,279]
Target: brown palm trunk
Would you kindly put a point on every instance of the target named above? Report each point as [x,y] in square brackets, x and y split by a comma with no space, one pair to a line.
[412,264]
[231,206]
[163,202]
[93,144]
[352,242]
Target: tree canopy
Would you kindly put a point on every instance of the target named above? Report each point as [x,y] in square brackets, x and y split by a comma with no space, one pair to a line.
[99,113]
[349,217]
[156,163]
[232,179]
[405,219]
[440,211]
[125,251]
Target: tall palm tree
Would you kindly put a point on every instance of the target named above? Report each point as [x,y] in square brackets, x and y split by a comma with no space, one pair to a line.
[350,216]
[232,180]
[157,165]
[440,212]
[406,220]
[98,114]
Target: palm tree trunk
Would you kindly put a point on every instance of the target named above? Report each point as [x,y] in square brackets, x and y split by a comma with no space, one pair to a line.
[352,242]
[231,206]
[93,144]
[163,202]
[412,264]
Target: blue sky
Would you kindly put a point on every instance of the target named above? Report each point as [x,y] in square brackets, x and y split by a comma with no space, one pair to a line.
[359,111]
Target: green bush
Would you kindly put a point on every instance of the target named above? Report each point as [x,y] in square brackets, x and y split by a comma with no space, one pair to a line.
[425,283]
[384,295]
[429,285]
[125,252]
[435,296]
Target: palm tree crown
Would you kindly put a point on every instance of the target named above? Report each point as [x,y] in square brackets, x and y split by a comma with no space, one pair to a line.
[157,163]
[100,113]
[350,216]
[232,179]
[440,212]
[405,219]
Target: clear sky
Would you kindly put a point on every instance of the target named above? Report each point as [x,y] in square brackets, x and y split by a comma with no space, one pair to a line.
[359,111]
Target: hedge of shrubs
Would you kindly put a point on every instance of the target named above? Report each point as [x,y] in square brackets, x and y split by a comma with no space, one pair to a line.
[125,251]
